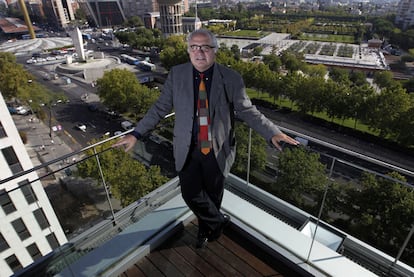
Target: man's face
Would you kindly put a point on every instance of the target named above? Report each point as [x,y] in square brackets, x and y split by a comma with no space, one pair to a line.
[201,59]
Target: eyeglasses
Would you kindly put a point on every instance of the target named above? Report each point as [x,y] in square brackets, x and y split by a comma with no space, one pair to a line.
[204,48]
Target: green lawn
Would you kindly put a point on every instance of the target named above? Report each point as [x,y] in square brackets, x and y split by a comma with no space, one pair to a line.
[327,38]
[247,33]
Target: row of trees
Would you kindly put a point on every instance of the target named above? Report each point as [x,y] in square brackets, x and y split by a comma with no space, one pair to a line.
[345,95]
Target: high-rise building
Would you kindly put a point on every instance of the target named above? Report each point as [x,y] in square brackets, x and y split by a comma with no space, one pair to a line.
[405,13]
[29,227]
[139,8]
[105,13]
[171,13]
[57,12]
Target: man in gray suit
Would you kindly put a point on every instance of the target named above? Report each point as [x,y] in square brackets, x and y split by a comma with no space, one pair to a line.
[202,175]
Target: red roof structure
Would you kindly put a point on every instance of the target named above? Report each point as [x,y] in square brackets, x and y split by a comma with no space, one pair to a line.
[12,25]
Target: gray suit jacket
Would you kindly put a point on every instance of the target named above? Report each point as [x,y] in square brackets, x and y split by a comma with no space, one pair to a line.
[227,93]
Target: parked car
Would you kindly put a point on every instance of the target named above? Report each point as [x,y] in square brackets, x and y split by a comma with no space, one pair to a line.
[81,126]
[12,110]
[22,110]
[126,125]
[111,113]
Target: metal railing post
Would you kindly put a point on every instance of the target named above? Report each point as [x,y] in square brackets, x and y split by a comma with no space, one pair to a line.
[104,184]
[249,147]
[321,208]
[407,239]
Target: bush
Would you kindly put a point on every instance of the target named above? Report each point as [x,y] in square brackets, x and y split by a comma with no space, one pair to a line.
[23,136]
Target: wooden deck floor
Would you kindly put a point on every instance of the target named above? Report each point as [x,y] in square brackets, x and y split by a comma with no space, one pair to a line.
[231,255]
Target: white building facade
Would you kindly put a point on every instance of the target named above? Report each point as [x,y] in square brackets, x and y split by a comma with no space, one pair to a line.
[29,227]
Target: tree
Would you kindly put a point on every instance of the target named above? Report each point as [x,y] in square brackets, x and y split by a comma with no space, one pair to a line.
[14,80]
[291,61]
[358,78]
[236,51]
[115,88]
[336,99]
[299,173]
[309,96]
[380,211]
[257,153]
[174,52]
[404,126]
[133,22]
[339,75]
[273,62]
[385,108]
[141,38]
[318,70]
[128,180]
[384,79]
[119,89]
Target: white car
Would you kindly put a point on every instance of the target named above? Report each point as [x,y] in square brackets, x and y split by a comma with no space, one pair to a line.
[22,110]
[30,61]
[81,126]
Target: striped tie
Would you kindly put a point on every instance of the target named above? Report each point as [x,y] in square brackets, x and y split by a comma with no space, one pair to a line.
[204,132]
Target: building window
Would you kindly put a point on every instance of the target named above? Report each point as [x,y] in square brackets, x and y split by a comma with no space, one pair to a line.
[12,160]
[6,203]
[3,244]
[41,218]
[27,191]
[34,251]
[13,263]
[51,238]
[21,229]
[2,131]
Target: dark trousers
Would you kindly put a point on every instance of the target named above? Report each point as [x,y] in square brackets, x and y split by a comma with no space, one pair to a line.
[202,186]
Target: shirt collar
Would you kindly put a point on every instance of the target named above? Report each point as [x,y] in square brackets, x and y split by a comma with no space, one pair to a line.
[208,73]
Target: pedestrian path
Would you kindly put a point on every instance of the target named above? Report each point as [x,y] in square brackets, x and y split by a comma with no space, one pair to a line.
[41,147]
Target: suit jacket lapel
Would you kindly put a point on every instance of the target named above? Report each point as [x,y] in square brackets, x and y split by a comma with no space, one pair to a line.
[186,89]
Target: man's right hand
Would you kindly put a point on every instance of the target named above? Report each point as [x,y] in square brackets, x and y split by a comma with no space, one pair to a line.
[127,142]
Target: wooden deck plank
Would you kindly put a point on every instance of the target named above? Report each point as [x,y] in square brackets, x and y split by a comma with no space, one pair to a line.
[210,257]
[148,268]
[162,264]
[133,271]
[228,256]
[260,266]
[190,255]
[185,267]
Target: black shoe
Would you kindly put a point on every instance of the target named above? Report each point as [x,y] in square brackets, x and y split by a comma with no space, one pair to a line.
[201,242]
[214,235]
[201,238]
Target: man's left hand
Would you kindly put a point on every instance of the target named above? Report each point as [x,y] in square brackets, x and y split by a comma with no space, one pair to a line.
[277,139]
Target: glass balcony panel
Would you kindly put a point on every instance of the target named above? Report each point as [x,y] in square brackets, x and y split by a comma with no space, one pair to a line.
[372,206]
[79,188]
